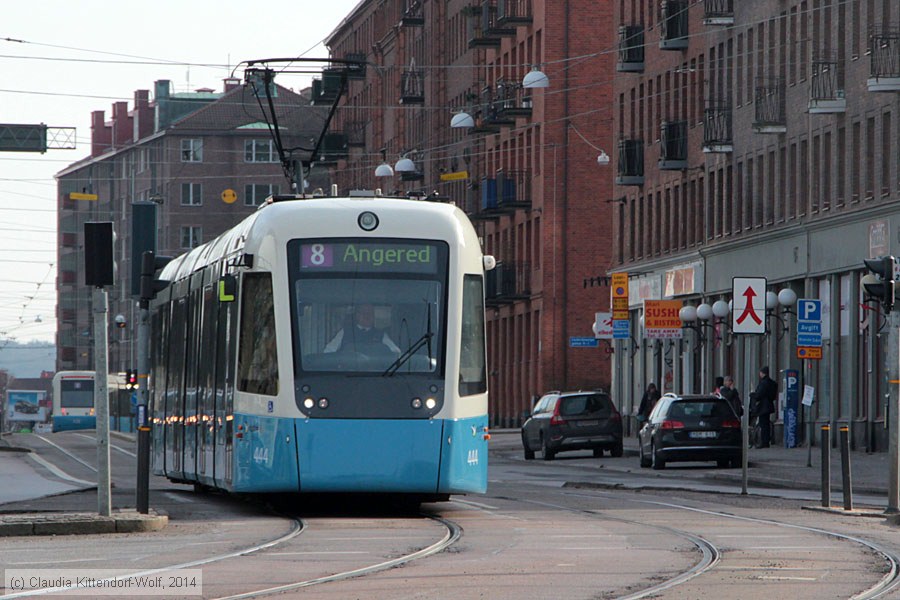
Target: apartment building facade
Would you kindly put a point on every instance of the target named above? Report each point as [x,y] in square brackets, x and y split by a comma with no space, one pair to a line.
[206,159]
[760,139]
[520,161]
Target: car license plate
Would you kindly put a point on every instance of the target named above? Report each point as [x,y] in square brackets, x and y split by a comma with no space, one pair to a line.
[702,434]
[588,423]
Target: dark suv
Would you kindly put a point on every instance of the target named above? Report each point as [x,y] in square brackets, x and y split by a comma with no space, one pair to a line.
[564,421]
[691,428]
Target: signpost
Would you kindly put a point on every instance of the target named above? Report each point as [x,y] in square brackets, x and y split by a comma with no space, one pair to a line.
[748,313]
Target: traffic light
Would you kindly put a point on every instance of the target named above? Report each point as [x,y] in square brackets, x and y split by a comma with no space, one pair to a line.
[879,284]
[131,379]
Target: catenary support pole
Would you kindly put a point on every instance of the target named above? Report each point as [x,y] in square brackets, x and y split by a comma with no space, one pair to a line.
[101,400]
[893,415]
[826,465]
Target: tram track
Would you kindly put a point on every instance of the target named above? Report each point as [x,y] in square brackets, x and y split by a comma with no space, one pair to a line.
[889,582]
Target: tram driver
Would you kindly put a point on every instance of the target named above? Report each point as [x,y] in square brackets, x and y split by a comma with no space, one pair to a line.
[362,334]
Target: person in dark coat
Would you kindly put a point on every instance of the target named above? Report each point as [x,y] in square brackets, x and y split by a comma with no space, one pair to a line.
[648,401]
[765,397]
[730,393]
[720,381]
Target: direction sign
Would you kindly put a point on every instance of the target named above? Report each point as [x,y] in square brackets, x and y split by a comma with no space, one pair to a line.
[621,330]
[749,305]
[583,342]
[603,325]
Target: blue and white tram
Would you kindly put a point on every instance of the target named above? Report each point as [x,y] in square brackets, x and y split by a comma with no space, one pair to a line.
[73,398]
[325,345]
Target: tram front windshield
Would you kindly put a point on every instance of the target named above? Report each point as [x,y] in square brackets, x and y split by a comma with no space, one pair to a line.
[369,306]
[76,393]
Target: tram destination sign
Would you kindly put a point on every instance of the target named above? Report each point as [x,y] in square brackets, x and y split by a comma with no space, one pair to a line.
[370,257]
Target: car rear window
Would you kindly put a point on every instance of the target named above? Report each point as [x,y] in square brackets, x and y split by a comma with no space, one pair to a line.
[587,404]
[700,409]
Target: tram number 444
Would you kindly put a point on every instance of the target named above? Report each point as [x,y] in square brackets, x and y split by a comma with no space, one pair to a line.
[260,455]
[473,457]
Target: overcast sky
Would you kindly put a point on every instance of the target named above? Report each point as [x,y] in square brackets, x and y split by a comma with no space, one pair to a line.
[66,59]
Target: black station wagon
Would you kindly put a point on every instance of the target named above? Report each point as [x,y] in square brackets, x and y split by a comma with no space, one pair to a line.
[691,428]
[564,421]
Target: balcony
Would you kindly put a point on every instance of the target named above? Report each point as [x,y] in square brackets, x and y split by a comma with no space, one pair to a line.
[413,14]
[412,86]
[630,164]
[673,146]
[358,69]
[326,91]
[769,102]
[673,25]
[490,20]
[514,12]
[718,12]
[492,109]
[483,27]
[507,192]
[334,148]
[507,282]
[718,136]
[884,54]
[511,100]
[826,92]
[631,49]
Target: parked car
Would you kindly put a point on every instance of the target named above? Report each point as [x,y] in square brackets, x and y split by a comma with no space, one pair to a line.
[563,421]
[691,428]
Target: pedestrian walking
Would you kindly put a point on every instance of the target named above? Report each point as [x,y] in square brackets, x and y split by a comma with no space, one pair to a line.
[648,401]
[765,396]
[730,393]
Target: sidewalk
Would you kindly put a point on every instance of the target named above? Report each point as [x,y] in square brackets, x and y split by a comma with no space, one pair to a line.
[46,501]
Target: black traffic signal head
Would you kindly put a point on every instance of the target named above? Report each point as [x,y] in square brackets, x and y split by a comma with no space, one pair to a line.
[880,284]
[131,379]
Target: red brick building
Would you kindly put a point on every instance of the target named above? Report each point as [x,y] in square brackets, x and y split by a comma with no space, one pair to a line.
[526,171]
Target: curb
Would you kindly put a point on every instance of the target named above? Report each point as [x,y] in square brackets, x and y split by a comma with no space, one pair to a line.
[125,521]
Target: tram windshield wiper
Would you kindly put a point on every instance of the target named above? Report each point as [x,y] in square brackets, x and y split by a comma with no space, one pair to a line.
[401,360]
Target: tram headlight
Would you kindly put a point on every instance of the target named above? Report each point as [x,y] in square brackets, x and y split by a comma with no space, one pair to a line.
[309,403]
[430,403]
[367,221]
[416,403]
[323,403]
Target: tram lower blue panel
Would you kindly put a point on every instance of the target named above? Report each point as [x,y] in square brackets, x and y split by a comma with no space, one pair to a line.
[265,456]
[464,456]
[359,455]
[72,423]
[372,455]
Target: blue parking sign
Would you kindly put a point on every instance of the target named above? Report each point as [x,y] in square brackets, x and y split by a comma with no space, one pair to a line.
[809,309]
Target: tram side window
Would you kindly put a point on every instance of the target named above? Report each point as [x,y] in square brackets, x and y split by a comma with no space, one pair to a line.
[257,358]
[472,366]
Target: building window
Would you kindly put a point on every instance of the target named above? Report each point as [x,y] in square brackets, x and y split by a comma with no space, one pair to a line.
[191,194]
[256,194]
[192,150]
[191,236]
[260,151]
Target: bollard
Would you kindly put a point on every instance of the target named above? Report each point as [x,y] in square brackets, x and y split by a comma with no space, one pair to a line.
[845,467]
[826,466]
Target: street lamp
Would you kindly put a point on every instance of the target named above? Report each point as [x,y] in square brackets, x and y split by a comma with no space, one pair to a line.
[535,78]
[384,169]
[786,298]
[462,120]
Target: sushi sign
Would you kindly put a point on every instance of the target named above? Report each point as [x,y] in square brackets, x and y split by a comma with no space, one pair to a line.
[661,319]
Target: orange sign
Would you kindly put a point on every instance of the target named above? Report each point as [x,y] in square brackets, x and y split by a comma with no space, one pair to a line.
[809,352]
[661,319]
[619,285]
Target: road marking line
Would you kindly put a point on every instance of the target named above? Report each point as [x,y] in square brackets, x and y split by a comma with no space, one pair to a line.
[67,453]
[789,578]
[111,445]
[176,497]
[315,553]
[59,472]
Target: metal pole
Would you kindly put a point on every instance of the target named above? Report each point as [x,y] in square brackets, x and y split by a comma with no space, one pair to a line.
[826,465]
[745,420]
[142,487]
[845,467]
[893,416]
[101,400]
